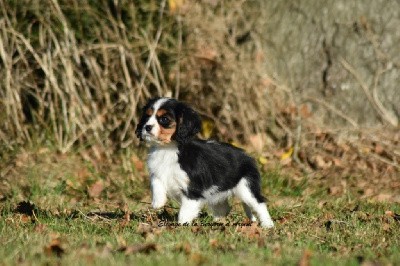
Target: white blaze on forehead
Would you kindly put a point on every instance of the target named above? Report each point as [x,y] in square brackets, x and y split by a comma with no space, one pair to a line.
[152,120]
[159,103]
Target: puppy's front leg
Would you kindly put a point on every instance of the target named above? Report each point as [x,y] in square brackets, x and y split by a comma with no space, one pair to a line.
[159,194]
[190,208]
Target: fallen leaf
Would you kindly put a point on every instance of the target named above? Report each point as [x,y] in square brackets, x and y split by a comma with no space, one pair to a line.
[71,184]
[282,220]
[262,160]
[144,229]
[83,174]
[305,110]
[138,163]
[197,258]
[334,190]
[321,204]
[320,162]
[127,216]
[366,150]
[383,197]
[261,242]
[287,154]
[207,54]
[345,147]
[329,216]
[252,231]
[266,82]
[95,190]
[378,149]
[174,5]
[235,144]
[257,141]
[207,128]
[368,192]
[105,251]
[197,229]
[389,213]
[330,147]
[305,259]
[394,215]
[395,184]
[277,249]
[184,247]
[386,227]
[26,218]
[22,159]
[370,262]
[139,248]
[214,243]
[337,161]
[363,216]
[40,228]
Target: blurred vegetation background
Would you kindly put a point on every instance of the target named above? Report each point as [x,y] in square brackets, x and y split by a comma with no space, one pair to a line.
[74,74]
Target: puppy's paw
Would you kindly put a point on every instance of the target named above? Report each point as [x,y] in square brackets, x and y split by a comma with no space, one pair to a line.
[267,224]
[158,203]
[185,220]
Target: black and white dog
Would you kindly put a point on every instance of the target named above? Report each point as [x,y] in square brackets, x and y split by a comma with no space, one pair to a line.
[193,171]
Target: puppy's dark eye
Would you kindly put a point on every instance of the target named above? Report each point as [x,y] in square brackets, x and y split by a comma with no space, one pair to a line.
[164,120]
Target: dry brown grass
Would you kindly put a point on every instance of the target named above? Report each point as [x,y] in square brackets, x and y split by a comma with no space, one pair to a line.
[75,75]
[76,83]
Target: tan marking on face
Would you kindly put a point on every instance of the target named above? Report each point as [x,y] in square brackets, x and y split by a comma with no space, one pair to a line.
[166,134]
[149,112]
[161,112]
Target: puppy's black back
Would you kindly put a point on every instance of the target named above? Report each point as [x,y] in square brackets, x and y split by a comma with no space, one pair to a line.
[211,163]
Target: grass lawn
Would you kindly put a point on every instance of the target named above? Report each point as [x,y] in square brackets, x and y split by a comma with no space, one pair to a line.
[58,209]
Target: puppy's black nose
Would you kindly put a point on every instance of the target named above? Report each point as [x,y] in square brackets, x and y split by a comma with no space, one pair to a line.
[148,128]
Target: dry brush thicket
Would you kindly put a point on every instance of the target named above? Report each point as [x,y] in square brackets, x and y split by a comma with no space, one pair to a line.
[75,73]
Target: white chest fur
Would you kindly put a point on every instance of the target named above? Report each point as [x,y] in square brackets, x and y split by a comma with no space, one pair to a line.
[167,177]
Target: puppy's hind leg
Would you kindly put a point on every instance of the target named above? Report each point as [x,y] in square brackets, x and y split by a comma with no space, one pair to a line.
[248,212]
[189,210]
[220,209]
[253,199]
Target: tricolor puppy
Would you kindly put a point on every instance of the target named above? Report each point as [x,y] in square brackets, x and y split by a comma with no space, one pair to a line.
[193,171]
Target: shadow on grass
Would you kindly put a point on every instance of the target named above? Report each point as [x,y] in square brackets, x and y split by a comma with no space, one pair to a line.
[166,214]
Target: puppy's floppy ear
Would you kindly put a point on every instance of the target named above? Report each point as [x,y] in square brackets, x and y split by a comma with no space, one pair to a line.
[188,123]
[139,128]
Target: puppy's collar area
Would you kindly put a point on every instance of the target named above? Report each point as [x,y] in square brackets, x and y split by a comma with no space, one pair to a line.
[163,146]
